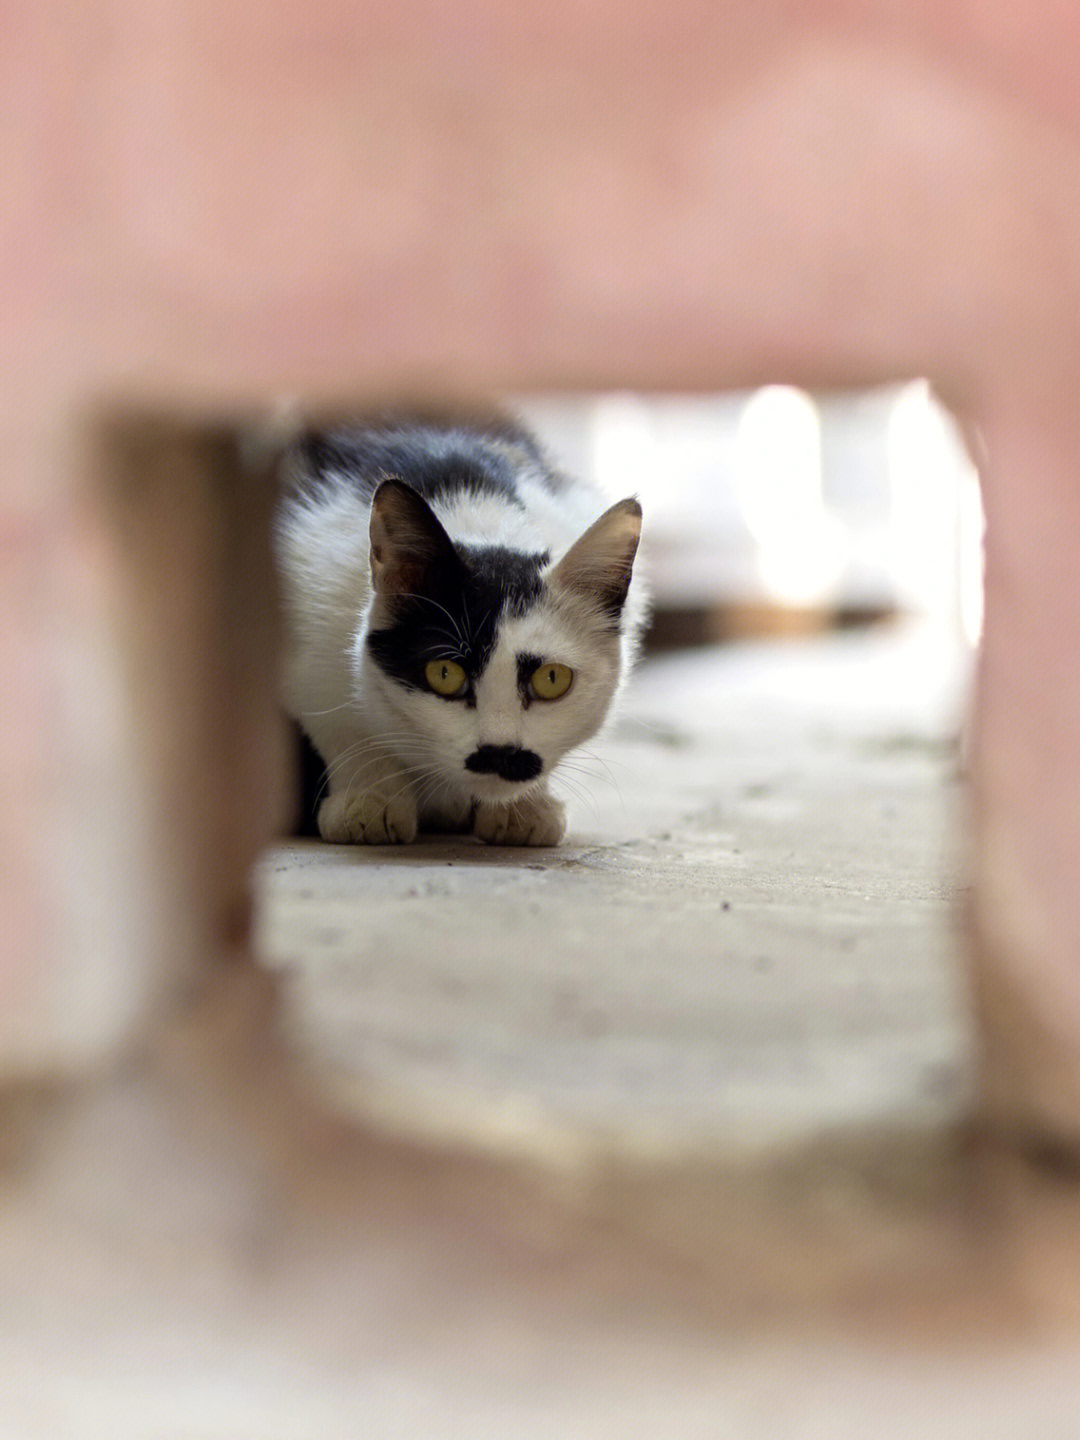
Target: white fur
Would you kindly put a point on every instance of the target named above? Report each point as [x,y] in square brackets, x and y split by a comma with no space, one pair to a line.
[396,757]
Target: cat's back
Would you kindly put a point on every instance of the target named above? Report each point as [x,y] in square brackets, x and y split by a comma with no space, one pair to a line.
[489,482]
[437,459]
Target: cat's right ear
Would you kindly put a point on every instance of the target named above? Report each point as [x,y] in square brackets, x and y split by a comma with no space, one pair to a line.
[599,565]
[407,543]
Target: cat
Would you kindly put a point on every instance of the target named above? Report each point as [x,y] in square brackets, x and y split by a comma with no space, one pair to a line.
[459,615]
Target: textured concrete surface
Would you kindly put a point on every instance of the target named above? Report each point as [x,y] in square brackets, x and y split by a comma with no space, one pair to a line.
[749,941]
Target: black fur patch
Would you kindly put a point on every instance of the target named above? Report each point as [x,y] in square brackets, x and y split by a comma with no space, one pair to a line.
[311,773]
[527,665]
[436,460]
[511,573]
[458,615]
[509,762]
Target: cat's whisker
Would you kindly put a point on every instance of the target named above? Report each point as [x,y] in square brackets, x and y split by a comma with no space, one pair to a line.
[585,767]
[577,791]
[430,600]
[607,761]
[436,789]
[333,709]
[336,768]
[581,767]
[652,729]
[418,778]
[583,794]
[403,740]
[585,775]
[484,620]
[391,756]
[354,756]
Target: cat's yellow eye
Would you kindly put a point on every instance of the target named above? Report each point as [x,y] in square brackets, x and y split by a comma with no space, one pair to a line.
[446,677]
[550,681]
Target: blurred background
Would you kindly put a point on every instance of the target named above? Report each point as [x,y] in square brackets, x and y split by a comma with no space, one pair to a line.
[776,512]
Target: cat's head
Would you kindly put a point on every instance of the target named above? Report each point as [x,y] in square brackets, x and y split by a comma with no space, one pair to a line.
[490,664]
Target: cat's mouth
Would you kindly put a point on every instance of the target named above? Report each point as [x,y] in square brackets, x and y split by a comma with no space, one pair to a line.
[489,786]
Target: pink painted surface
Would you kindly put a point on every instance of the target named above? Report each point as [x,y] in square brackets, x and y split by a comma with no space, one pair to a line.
[24,763]
[206,207]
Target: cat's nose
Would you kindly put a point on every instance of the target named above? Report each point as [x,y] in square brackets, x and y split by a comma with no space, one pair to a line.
[509,762]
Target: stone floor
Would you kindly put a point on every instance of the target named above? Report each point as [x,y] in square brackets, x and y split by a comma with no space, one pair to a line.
[655,1135]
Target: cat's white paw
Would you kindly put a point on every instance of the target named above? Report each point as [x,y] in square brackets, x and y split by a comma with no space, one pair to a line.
[369,818]
[537,820]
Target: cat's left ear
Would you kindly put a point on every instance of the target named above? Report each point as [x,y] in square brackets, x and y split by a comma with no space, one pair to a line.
[408,545]
[599,565]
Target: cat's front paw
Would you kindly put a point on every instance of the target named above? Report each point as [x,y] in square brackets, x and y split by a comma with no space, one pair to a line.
[370,818]
[539,820]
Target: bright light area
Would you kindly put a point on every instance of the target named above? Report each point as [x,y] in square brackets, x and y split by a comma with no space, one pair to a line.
[866,501]
[626,457]
[923,477]
[972,566]
[802,549]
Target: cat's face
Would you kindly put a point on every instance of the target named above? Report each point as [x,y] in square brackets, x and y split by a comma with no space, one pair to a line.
[489,666]
[477,719]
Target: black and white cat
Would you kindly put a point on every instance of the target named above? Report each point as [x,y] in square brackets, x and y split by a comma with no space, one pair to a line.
[459,616]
